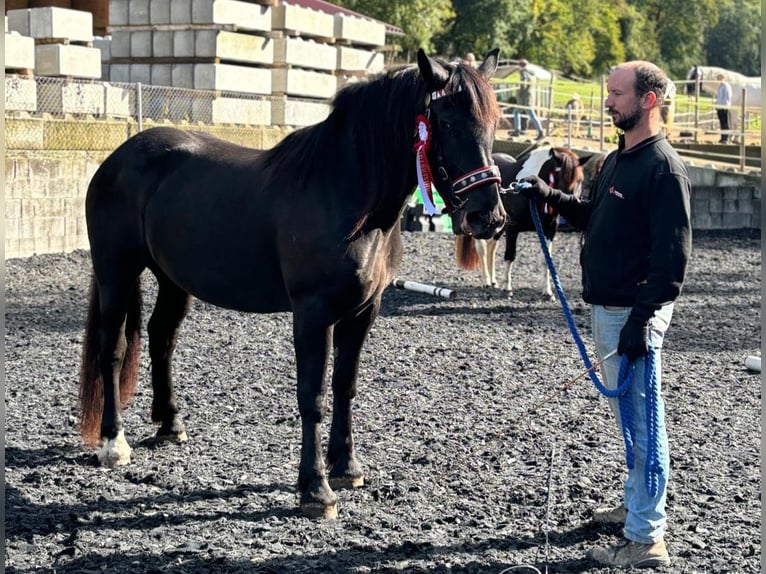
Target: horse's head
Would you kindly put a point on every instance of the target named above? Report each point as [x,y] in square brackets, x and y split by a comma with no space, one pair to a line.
[462,113]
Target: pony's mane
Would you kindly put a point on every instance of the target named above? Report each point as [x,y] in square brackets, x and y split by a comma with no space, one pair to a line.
[369,133]
[570,168]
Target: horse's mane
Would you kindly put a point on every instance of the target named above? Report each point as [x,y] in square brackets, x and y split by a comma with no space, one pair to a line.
[570,168]
[366,142]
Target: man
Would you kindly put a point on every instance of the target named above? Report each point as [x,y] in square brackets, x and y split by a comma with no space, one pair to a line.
[722,104]
[636,246]
[526,100]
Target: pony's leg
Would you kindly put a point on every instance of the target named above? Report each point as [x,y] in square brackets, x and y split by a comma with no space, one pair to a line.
[115,300]
[481,249]
[547,291]
[312,333]
[348,338]
[491,254]
[511,237]
[169,310]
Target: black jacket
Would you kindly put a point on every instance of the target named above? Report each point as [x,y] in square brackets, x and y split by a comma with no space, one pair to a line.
[637,227]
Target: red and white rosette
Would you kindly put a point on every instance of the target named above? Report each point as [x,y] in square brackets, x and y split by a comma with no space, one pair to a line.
[425,178]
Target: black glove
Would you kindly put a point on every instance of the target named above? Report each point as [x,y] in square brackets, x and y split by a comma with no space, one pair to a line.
[532,187]
[634,339]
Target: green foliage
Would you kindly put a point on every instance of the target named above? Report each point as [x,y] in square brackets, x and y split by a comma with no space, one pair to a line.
[580,38]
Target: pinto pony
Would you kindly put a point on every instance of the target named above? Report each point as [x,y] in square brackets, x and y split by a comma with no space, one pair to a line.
[560,168]
[309,227]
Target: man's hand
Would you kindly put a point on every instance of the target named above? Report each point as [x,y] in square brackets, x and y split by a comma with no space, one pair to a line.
[532,187]
[634,338]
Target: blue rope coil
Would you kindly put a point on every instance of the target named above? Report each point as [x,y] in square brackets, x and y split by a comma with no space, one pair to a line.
[624,380]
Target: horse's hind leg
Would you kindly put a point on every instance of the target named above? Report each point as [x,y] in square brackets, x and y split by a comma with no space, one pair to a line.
[547,291]
[511,238]
[349,336]
[169,310]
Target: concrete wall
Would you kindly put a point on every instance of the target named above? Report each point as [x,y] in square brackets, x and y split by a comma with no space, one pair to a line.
[45,184]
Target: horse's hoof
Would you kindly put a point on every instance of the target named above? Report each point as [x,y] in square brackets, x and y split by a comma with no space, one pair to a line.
[161,436]
[319,510]
[508,293]
[115,452]
[346,482]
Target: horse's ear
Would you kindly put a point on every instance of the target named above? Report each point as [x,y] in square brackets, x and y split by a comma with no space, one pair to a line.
[585,159]
[489,65]
[433,72]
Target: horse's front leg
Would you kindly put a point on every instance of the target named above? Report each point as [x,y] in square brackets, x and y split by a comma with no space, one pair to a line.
[348,338]
[481,250]
[511,237]
[547,291]
[491,254]
[312,333]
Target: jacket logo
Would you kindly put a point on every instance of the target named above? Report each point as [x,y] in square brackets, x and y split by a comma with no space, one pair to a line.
[614,192]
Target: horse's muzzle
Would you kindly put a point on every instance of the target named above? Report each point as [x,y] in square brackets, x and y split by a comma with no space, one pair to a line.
[481,224]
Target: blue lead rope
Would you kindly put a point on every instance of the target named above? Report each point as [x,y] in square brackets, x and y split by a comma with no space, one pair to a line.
[625,378]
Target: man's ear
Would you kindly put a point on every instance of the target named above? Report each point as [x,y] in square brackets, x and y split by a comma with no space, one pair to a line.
[650,99]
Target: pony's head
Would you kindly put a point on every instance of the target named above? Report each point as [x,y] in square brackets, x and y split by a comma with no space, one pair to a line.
[690,88]
[563,170]
[461,112]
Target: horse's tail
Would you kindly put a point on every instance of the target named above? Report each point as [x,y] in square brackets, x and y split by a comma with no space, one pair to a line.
[465,253]
[91,381]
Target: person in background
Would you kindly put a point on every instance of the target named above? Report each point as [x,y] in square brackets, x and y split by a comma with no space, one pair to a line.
[636,245]
[525,99]
[722,103]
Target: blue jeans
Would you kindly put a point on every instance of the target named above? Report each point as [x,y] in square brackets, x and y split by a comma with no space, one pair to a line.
[532,117]
[646,521]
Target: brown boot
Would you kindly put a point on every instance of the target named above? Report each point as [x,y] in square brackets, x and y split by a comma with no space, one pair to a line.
[629,554]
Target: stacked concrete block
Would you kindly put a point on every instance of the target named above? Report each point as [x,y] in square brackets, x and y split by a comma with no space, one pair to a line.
[20,93]
[226,77]
[224,110]
[304,54]
[303,83]
[300,21]
[355,60]
[19,52]
[52,23]
[119,102]
[67,60]
[289,112]
[71,98]
[359,31]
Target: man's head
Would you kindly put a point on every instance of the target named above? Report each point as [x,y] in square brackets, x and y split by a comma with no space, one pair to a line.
[637,90]
[719,77]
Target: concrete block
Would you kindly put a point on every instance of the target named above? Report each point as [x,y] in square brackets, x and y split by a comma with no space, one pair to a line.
[162,44]
[119,102]
[141,44]
[51,22]
[355,60]
[181,12]
[141,73]
[18,21]
[304,54]
[161,74]
[182,76]
[67,60]
[19,51]
[120,47]
[20,93]
[305,83]
[71,98]
[119,73]
[105,45]
[159,12]
[232,111]
[138,12]
[183,43]
[287,112]
[118,12]
[232,78]
[359,30]
[303,21]
[233,47]
[244,15]
[158,106]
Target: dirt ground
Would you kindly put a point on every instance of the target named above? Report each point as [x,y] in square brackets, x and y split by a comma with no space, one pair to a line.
[481,454]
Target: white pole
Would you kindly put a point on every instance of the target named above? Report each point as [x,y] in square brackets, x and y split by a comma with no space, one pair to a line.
[424,288]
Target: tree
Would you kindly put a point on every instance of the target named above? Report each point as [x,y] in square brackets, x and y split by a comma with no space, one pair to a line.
[739,21]
[420,20]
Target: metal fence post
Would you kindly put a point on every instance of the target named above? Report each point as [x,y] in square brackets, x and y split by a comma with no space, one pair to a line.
[140,107]
[743,110]
[696,109]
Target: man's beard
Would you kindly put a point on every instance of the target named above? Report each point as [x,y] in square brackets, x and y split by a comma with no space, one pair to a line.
[629,121]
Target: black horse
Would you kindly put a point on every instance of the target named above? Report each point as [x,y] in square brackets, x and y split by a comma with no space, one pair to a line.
[310,226]
[560,168]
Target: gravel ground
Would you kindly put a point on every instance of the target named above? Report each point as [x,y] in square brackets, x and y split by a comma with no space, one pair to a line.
[481,455]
